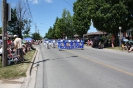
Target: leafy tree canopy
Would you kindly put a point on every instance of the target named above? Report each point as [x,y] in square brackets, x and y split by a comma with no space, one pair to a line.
[36,36]
[62,26]
[81,19]
[109,15]
[20,22]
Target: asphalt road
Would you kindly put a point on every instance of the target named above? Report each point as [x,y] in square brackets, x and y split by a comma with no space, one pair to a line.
[88,68]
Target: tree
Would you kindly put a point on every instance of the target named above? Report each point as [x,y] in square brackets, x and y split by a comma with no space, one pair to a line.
[62,26]
[66,22]
[108,15]
[23,18]
[36,36]
[27,26]
[46,35]
[12,25]
[81,20]
[20,22]
[69,25]
[50,33]
[55,28]
[27,35]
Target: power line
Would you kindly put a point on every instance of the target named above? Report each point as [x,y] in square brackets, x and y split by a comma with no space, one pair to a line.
[67,3]
[28,9]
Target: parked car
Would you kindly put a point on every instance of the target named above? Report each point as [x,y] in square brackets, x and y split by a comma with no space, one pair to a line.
[98,43]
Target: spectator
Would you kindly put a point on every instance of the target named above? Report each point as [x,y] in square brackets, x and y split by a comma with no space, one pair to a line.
[128,45]
[131,48]
[8,41]
[18,47]
[88,42]
[91,43]
[24,49]
[1,52]
[124,46]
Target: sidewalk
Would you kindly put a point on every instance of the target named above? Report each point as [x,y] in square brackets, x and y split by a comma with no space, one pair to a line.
[16,83]
[115,49]
[23,82]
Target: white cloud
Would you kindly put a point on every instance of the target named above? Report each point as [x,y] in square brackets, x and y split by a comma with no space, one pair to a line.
[35,1]
[38,1]
[49,1]
[13,4]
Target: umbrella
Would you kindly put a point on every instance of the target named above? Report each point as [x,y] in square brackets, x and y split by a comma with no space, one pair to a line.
[125,40]
[130,41]
[76,35]
[27,39]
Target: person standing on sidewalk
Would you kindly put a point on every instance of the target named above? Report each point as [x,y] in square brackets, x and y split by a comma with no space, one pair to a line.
[18,47]
[131,48]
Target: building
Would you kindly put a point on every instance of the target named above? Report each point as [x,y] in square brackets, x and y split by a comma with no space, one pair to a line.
[95,34]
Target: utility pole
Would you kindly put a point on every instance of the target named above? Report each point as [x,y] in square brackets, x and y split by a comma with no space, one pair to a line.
[35,27]
[4,33]
[38,30]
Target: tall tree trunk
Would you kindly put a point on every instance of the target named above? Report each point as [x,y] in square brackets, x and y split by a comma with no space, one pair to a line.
[116,41]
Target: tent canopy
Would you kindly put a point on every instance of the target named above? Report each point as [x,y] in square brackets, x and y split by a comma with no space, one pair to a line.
[125,40]
[27,39]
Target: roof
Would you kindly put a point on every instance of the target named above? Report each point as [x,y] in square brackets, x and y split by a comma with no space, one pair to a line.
[76,35]
[95,33]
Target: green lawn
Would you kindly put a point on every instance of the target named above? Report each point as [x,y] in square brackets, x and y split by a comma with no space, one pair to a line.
[16,70]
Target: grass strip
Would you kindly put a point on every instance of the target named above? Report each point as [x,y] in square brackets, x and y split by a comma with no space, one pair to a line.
[17,70]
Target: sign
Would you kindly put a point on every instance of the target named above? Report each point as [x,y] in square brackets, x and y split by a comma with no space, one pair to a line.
[70,44]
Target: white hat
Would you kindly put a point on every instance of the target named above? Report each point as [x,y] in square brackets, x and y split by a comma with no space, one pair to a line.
[15,35]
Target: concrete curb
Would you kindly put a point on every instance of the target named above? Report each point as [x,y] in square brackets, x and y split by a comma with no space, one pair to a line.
[28,73]
[26,81]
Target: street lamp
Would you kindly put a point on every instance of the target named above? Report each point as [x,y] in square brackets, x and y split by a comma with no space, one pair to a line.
[120,37]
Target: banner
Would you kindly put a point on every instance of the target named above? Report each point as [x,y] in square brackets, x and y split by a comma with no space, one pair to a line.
[70,44]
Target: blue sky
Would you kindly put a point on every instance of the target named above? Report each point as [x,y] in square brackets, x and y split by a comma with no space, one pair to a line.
[44,13]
